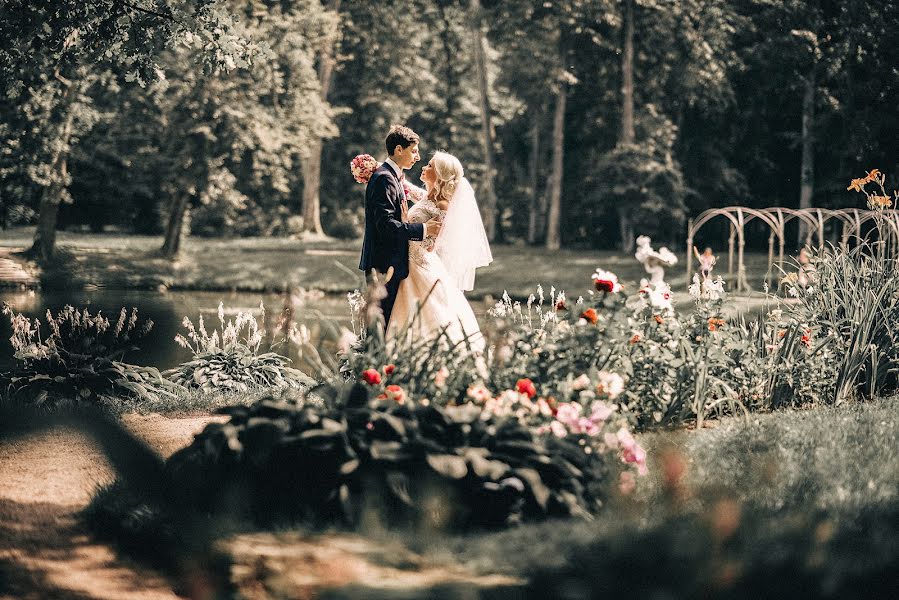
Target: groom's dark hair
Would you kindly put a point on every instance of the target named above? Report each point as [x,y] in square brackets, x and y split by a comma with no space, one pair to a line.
[400,135]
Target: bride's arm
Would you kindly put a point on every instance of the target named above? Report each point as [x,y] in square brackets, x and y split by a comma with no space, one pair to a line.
[416,194]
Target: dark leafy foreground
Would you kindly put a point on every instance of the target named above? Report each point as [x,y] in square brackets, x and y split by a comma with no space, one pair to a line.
[410,465]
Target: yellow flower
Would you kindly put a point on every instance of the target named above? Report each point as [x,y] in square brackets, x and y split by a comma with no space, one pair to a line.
[879,202]
[858,185]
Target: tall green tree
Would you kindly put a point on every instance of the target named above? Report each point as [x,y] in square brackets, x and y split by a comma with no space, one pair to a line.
[57,55]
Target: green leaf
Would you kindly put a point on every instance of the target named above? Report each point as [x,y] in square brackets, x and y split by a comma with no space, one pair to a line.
[448,465]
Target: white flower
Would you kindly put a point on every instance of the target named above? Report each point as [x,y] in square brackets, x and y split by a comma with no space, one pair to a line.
[607,280]
[346,341]
[580,383]
[709,289]
[612,384]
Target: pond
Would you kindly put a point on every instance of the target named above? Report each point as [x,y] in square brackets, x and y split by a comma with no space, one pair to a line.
[319,312]
[167,310]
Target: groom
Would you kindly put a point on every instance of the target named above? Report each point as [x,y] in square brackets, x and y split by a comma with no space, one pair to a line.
[385,247]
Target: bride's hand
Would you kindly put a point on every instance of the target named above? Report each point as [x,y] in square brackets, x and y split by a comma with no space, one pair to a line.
[432,227]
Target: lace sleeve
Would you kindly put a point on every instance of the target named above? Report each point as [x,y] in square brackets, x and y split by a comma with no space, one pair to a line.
[416,194]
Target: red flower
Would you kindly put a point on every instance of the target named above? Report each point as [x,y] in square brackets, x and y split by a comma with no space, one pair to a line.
[658,319]
[389,369]
[636,338]
[526,387]
[604,285]
[807,338]
[393,392]
[371,377]
[560,305]
[590,315]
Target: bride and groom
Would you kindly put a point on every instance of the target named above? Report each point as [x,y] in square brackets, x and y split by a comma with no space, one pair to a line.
[428,252]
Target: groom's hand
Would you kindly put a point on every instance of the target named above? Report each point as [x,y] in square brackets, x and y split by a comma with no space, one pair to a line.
[432,227]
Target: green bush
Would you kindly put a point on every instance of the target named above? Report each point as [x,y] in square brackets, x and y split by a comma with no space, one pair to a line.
[231,360]
[79,360]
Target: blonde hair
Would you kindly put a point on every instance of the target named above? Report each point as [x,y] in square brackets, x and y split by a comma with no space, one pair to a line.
[449,173]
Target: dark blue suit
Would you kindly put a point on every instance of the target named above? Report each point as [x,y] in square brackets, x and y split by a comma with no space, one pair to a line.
[386,242]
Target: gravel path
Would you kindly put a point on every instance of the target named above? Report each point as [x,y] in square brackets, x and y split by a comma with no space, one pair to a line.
[44,481]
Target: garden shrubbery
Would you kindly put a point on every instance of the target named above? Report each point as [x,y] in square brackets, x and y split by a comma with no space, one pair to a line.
[79,359]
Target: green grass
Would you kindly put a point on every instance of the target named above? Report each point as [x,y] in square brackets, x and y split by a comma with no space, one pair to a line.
[193,402]
[266,264]
[836,461]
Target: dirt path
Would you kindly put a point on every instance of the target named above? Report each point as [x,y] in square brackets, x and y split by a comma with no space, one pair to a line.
[44,481]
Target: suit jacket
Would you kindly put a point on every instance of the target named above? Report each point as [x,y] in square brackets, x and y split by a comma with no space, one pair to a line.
[386,241]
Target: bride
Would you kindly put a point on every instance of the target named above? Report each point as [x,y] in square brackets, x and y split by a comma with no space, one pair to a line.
[441,268]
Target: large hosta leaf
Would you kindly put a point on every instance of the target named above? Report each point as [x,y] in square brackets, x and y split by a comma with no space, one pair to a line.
[448,465]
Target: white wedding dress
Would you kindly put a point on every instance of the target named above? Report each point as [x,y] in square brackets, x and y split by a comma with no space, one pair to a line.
[430,290]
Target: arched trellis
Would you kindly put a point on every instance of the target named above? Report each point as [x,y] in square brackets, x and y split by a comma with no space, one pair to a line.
[851,219]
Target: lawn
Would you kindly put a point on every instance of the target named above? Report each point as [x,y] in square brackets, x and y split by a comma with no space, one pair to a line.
[266,264]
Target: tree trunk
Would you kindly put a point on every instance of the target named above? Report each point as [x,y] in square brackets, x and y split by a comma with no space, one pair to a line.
[625,230]
[174,230]
[312,165]
[553,231]
[44,245]
[536,214]
[488,135]
[626,134]
[807,175]
[627,77]
[312,161]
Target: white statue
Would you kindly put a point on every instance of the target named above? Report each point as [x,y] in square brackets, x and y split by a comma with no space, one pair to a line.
[654,262]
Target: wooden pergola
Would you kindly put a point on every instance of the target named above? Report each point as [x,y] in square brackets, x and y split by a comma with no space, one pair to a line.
[851,220]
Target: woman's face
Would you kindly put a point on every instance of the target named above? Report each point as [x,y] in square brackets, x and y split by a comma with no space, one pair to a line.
[428,174]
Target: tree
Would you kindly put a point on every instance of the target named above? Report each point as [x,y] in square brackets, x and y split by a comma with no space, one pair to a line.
[488,134]
[248,122]
[311,156]
[57,53]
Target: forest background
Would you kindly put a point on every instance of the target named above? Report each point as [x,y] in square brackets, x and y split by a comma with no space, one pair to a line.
[580,123]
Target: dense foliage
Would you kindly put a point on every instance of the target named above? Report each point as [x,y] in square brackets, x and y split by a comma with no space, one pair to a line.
[230,359]
[142,112]
[78,360]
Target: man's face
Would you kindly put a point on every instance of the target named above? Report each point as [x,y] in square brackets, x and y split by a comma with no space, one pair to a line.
[406,157]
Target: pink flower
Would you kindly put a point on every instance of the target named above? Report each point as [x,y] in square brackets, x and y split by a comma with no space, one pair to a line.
[610,440]
[440,377]
[625,439]
[601,411]
[479,393]
[558,429]
[626,483]
[585,425]
[362,167]
[568,412]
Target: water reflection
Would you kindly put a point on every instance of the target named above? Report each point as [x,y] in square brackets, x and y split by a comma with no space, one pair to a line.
[167,309]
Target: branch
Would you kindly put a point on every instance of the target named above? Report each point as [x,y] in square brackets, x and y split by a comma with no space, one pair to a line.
[147,11]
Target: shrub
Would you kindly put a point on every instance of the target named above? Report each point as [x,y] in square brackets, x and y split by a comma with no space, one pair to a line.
[231,360]
[339,461]
[80,359]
